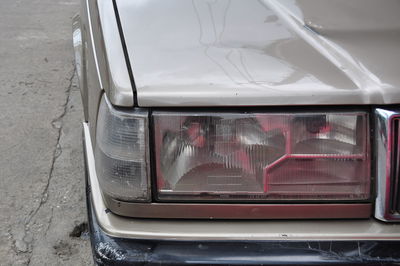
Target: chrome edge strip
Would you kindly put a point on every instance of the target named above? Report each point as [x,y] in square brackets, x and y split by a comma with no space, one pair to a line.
[383,119]
[80,60]
[117,226]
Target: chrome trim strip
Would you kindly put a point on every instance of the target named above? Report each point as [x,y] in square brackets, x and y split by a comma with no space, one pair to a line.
[78,47]
[175,229]
[383,121]
[80,61]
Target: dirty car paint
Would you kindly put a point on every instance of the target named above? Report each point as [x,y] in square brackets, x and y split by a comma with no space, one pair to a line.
[232,52]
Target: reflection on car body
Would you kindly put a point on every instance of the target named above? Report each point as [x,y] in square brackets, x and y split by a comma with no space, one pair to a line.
[241,132]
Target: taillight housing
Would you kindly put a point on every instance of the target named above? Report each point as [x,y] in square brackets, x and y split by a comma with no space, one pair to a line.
[387,154]
[122,152]
[226,156]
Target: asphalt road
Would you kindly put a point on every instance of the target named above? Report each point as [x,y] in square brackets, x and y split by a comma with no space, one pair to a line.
[42,203]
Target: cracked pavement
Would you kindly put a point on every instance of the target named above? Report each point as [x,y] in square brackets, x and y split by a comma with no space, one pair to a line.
[42,200]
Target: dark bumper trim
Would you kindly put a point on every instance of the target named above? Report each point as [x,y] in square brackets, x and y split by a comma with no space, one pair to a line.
[119,251]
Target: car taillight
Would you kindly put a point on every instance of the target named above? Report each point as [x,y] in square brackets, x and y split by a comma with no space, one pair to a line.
[122,152]
[260,156]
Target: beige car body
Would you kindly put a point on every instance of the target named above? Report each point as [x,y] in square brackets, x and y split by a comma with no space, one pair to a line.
[301,52]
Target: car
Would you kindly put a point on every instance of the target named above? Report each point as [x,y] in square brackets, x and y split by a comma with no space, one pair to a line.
[241,132]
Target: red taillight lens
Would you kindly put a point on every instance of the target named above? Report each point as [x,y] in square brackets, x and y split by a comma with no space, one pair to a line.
[257,156]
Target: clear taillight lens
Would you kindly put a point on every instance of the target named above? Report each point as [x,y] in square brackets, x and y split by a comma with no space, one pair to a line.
[256,156]
[121,152]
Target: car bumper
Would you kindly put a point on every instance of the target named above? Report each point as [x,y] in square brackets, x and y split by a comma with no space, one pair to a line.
[118,240]
[108,250]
